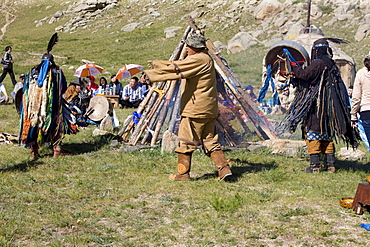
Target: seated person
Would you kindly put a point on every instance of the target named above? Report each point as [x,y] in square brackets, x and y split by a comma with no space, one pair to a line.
[91,86]
[103,86]
[72,96]
[116,86]
[85,94]
[132,94]
[249,90]
[145,86]
[3,94]
[18,86]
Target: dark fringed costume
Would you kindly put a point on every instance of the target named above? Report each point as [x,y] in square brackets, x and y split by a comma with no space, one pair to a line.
[322,106]
[43,115]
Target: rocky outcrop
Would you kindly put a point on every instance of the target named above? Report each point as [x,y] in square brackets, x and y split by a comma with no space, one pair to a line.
[81,13]
[267,9]
[241,41]
[275,19]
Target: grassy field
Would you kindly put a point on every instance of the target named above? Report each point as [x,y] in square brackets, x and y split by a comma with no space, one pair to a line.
[106,196]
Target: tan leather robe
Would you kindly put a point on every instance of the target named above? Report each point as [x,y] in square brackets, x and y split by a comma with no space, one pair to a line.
[199,92]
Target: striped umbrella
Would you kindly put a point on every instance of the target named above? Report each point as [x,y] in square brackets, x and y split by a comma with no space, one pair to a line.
[89,69]
[129,71]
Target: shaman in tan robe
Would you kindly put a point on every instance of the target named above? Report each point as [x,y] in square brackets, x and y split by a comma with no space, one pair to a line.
[199,106]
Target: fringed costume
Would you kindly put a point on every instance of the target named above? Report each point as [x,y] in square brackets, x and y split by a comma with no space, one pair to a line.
[43,115]
[322,106]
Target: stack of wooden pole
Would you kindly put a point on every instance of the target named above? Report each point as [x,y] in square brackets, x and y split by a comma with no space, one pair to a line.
[161,105]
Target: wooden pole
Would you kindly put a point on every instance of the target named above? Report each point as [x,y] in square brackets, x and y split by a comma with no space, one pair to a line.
[145,119]
[124,132]
[244,99]
[163,114]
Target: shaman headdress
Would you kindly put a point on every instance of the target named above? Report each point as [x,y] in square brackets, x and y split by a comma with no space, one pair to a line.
[52,42]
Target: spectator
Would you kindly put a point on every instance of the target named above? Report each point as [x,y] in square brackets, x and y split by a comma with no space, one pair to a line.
[132,94]
[103,85]
[18,86]
[91,85]
[145,86]
[3,94]
[116,86]
[7,62]
[249,89]
[361,97]
[350,91]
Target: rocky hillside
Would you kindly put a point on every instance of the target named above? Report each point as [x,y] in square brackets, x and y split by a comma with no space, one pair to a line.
[234,26]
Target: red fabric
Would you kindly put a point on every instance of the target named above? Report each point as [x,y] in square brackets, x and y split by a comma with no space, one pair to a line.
[93,86]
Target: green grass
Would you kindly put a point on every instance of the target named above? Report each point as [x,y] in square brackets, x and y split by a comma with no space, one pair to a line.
[104,196]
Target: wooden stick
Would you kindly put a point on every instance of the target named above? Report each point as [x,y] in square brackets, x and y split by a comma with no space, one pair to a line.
[244,99]
[144,121]
[163,114]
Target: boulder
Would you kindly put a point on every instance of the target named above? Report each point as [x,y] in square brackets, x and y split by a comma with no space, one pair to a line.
[350,154]
[240,42]
[293,31]
[291,148]
[362,32]
[130,27]
[267,9]
[170,31]
[169,142]
[219,45]
[280,21]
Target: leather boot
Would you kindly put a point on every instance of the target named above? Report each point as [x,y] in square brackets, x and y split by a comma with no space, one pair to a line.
[314,164]
[35,151]
[221,163]
[183,167]
[330,163]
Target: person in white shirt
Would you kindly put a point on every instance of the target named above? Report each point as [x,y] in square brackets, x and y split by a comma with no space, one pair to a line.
[3,94]
[18,86]
[132,94]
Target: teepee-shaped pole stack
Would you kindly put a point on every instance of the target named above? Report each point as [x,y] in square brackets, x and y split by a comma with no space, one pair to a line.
[161,106]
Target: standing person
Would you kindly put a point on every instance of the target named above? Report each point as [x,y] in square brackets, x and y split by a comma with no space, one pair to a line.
[322,106]
[18,86]
[44,118]
[361,97]
[7,62]
[132,94]
[198,107]
[4,98]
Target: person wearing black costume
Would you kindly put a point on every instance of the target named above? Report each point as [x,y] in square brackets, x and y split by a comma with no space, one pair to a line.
[322,106]
[7,62]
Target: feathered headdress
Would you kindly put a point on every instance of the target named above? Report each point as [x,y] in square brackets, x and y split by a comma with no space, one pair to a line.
[322,42]
[52,42]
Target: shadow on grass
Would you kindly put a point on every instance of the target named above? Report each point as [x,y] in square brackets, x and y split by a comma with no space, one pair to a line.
[239,169]
[22,167]
[352,166]
[95,145]
[69,148]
